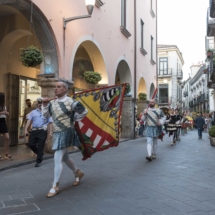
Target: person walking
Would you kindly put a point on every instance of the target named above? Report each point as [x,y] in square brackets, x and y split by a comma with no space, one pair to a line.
[3,126]
[172,129]
[64,111]
[27,110]
[179,117]
[155,119]
[38,134]
[200,122]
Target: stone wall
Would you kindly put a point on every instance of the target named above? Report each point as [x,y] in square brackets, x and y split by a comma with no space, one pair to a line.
[141,105]
[127,120]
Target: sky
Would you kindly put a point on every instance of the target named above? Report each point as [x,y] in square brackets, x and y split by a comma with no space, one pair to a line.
[183,23]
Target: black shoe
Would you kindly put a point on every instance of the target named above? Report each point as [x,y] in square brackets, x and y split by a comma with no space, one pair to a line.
[149,158]
[38,164]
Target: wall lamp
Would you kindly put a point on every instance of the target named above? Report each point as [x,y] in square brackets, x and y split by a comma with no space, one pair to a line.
[89,4]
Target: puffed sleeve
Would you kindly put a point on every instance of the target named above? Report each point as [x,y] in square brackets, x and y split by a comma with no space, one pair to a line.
[79,109]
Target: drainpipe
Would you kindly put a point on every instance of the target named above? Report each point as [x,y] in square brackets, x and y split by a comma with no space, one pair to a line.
[135,61]
[157,45]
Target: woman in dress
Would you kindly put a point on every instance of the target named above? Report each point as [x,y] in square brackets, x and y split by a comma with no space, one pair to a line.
[171,128]
[3,126]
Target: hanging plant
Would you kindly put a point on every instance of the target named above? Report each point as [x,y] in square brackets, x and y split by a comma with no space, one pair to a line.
[142,96]
[31,56]
[92,77]
[209,53]
[127,89]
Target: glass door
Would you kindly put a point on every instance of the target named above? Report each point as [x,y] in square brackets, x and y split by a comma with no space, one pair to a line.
[29,89]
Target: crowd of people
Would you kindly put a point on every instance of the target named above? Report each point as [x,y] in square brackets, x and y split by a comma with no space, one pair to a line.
[153,122]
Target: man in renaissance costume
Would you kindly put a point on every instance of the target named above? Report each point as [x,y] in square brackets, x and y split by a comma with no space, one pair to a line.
[64,111]
[154,118]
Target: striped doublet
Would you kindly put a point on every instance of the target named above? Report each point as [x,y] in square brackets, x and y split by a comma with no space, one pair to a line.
[153,116]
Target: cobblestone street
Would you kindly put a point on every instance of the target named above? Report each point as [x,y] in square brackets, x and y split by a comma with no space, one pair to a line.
[120,181]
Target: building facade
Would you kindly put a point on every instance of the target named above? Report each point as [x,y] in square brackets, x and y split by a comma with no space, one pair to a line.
[170,75]
[209,45]
[199,93]
[119,41]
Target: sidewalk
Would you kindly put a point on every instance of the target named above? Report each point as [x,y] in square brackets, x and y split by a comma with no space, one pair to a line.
[22,155]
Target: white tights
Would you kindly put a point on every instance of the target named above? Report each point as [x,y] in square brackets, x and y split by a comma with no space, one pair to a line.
[152,145]
[61,156]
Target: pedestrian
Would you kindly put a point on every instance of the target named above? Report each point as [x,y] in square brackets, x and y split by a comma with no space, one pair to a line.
[64,111]
[171,128]
[27,110]
[141,126]
[137,127]
[200,122]
[155,119]
[3,126]
[179,117]
[38,134]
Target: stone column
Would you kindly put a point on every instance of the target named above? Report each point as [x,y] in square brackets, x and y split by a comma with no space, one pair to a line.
[47,84]
[141,106]
[127,120]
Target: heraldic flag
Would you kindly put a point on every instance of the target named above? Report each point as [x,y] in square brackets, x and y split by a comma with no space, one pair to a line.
[99,129]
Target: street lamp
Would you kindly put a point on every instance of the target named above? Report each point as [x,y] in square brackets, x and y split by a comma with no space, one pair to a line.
[89,4]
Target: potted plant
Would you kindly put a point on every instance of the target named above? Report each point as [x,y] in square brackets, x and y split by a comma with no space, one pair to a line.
[31,56]
[142,96]
[212,135]
[92,77]
[209,53]
[127,89]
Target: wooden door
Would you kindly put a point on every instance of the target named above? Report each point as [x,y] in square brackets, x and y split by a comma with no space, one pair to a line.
[12,103]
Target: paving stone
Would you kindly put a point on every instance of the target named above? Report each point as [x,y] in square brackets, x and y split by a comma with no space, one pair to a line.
[203,206]
[180,206]
[15,202]
[19,209]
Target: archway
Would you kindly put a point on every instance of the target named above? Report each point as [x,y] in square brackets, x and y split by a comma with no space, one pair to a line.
[88,57]
[152,90]
[17,81]
[142,86]
[123,74]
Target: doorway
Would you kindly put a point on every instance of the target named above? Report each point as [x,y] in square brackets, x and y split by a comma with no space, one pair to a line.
[28,89]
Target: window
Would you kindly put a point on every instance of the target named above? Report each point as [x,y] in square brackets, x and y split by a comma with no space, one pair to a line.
[123,27]
[152,41]
[152,11]
[163,66]
[142,50]
[123,13]
[142,32]
[211,43]
[152,47]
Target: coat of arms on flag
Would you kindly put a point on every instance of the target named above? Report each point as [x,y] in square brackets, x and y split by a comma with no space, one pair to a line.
[99,129]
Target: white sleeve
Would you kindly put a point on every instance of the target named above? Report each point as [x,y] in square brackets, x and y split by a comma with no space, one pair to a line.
[45,111]
[162,120]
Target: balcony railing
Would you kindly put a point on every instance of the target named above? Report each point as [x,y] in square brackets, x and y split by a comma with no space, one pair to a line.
[210,24]
[167,72]
[180,74]
[163,100]
[212,8]
[200,99]
[185,93]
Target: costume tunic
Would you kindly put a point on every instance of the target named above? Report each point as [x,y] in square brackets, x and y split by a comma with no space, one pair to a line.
[64,112]
[172,118]
[153,116]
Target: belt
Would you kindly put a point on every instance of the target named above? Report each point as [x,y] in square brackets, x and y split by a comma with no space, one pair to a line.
[36,129]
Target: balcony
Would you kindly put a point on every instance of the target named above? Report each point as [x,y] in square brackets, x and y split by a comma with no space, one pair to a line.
[191,104]
[185,94]
[210,25]
[180,74]
[165,73]
[212,8]
[163,100]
